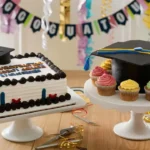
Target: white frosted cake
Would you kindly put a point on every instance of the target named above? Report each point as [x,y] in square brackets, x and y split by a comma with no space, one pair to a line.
[30,80]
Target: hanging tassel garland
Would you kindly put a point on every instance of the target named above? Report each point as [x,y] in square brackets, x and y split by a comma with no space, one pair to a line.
[83,40]
[89,47]
[64,17]
[45,22]
[8,23]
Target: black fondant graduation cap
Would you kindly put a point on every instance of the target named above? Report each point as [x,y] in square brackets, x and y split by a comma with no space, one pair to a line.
[130,60]
[134,52]
[5,55]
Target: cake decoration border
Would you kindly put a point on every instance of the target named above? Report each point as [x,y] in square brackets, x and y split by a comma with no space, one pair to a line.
[39,78]
[32,103]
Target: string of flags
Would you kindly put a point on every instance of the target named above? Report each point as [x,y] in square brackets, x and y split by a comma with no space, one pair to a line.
[88,28]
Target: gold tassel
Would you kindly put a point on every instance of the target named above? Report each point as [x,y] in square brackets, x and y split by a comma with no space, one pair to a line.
[64,17]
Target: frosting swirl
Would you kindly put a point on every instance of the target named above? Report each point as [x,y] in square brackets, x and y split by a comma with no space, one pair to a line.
[129,85]
[98,71]
[106,80]
[148,85]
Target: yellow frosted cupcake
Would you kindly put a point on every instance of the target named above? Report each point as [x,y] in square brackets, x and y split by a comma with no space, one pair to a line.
[147,91]
[129,90]
[107,65]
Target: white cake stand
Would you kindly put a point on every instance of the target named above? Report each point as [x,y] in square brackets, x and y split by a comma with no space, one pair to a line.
[135,128]
[22,129]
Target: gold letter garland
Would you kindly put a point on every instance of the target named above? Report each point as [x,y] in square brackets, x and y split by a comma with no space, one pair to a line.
[64,17]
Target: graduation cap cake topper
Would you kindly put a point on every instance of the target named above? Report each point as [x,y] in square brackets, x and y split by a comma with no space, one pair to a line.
[130,60]
[5,57]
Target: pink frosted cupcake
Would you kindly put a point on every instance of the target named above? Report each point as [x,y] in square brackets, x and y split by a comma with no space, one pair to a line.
[96,72]
[106,85]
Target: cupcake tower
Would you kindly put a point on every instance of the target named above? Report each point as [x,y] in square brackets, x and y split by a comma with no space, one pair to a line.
[106,85]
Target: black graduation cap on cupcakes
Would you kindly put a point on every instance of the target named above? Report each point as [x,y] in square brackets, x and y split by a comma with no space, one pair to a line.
[5,57]
[130,60]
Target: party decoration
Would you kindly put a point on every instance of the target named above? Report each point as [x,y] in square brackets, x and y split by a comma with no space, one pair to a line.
[104,24]
[82,42]
[8,11]
[146,17]
[88,7]
[87,29]
[89,47]
[36,24]
[96,25]
[112,23]
[64,17]
[120,17]
[53,29]
[70,31]
[22,16]
[135,7]
[10,8]
[45,21]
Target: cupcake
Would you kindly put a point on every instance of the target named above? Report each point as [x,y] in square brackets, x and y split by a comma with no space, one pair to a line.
[147,91]
[129,90]
[96,72]
[107,64]
[106,85]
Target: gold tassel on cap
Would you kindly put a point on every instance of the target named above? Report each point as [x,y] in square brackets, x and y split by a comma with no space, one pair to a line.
[64,17]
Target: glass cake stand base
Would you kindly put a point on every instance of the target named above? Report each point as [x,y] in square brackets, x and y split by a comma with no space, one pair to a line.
[135,128]
[22,131]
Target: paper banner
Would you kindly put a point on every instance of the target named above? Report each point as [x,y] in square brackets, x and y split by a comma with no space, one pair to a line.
[83,28]
[8,7]
[30,16]
[70,31]
[130,13]
[79,30]
[22,16]
[96,25]
[112,21]
[87,29]
[104,24]
[53,29]
[135,7]
[36,24]
[120,17]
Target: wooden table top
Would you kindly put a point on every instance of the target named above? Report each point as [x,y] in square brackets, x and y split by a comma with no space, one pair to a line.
[95,138]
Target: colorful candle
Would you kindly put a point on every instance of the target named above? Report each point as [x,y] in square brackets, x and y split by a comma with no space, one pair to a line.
[2,98]
[43,94]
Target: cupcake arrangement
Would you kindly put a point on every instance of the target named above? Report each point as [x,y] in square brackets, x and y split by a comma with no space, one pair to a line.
[106,85]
